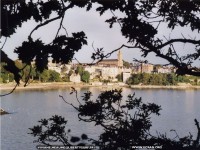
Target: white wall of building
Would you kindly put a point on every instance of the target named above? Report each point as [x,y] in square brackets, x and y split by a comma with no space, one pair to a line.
[75,78]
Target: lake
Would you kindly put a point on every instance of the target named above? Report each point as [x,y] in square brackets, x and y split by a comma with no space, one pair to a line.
[179,109]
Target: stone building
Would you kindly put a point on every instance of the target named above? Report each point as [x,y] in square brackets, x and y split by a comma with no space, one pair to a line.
[113,62]
[145,68]
[54,66]
[120,59]
[164,70]
[109,72]
[109,68]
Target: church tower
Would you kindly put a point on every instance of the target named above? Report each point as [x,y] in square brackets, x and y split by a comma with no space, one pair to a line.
[120,61]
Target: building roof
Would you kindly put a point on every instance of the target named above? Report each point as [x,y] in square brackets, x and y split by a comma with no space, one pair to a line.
[109,60]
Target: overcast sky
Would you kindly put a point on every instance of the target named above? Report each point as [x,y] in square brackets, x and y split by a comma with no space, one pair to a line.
[98,33]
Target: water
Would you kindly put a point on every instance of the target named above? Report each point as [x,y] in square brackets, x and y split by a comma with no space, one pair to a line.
[179,109]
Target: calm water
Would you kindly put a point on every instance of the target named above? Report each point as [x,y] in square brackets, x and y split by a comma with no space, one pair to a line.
[179,108]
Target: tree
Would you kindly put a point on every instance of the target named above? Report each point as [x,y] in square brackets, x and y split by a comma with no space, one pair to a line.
[124,124]
[53,130]
[145,77]
[126,64]
[54,76]
[79,70]
[61,49]
[134,79]
[85,77]
[5,75]
[171,79]
[120,77]
[44,76]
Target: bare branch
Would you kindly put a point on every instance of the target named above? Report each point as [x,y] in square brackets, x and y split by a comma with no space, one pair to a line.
[45,23]
[76,93]
[4,43]
[51,20]
[10,91]
[26,82]
[196,142]
[177,136]
[196,42]
[67,102]
[65,30]
[60,24]
[113,51]
[116,17]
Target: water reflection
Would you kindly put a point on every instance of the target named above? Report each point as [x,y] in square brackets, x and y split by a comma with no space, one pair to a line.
[189,103]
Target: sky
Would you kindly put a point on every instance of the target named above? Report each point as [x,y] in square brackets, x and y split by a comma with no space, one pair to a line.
[98,33]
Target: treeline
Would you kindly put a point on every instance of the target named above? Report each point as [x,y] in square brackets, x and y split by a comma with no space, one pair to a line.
[45,76]
[161,79]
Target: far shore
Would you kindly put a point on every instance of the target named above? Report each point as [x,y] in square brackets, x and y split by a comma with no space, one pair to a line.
[56,85]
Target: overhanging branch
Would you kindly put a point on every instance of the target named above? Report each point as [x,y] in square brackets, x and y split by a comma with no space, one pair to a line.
[196,42]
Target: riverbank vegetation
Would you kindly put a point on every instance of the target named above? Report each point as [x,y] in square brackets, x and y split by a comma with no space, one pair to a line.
[161,79]
[46,75]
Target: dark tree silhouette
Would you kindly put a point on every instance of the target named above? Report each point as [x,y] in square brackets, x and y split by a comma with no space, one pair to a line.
[125,123]
[139,24]
[52,130]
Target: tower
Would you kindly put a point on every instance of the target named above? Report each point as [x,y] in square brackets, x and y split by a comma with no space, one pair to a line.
[120,61]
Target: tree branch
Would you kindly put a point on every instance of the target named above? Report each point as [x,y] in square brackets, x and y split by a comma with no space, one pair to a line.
[67,102]
[196,142]
[10,91]
[45,23]
[60,25]
[179,40]
[53,19]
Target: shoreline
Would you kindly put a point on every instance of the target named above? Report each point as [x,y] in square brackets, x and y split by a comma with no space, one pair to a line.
[56,85]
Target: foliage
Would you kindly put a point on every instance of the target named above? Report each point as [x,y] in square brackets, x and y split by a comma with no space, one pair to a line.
[1,80]
[48,76]
[5,75]
[159,79]
[53,130]
[125,123]
[51,76]
[85,77]
[120,77]
[105,81]
[126,64]
[79,70]
[66,78]
[44,76]
[54,76]
[140,25]
[61,49]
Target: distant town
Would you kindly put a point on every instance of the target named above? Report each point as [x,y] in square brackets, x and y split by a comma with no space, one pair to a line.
[105,72]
